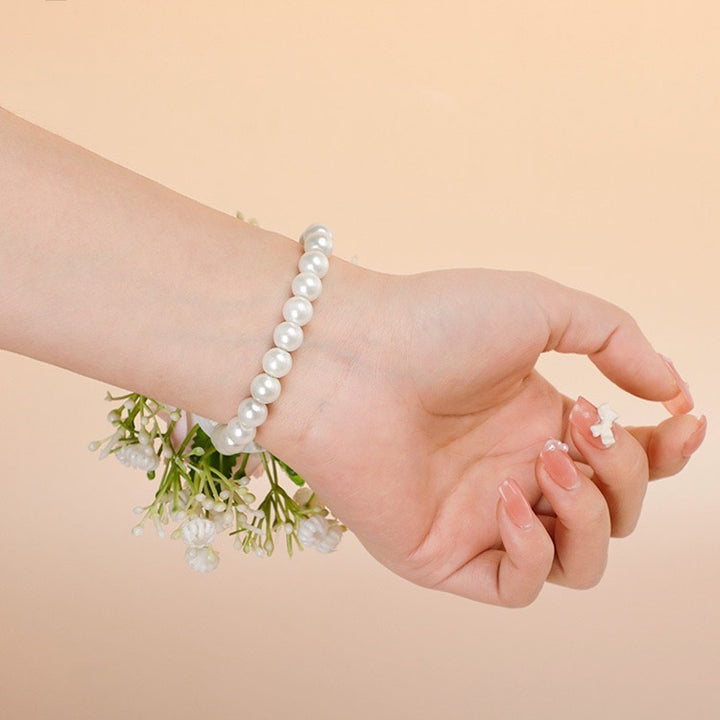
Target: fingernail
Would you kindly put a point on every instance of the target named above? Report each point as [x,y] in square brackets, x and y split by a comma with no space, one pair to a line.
[516,505]
[695,440]
[682,403]
[594,423]
[559,465]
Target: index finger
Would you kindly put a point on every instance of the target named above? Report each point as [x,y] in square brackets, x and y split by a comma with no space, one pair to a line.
[579,322]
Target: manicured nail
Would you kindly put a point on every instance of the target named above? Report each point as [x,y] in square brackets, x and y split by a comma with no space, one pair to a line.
[695,440]
[559,465]
[516,505]
[682,403]
[594,423]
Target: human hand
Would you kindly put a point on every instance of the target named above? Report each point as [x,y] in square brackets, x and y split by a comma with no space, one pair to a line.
[431,403]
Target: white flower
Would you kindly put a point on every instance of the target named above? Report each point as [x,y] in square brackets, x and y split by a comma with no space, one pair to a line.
[222,520]
[138,456]
[110,445]
[317,532]
[302,495]
[311,530]
[202,559]
[603,429]
[198,533]
[331,540]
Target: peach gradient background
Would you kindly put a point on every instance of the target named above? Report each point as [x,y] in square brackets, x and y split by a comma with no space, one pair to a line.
[577,139]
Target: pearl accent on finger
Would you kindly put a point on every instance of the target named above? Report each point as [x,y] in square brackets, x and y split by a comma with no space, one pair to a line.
[603,429]
[298,310]
[314,261]
[277,362]
[307,285]
[264,388]
[288,336]
[251,412]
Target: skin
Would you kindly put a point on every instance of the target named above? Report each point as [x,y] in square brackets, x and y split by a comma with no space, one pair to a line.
[447,404]
[411,400]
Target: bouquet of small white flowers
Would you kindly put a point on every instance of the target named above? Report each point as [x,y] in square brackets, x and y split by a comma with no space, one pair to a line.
[207,493]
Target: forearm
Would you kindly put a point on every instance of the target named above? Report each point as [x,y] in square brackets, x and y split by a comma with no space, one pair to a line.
[118,278]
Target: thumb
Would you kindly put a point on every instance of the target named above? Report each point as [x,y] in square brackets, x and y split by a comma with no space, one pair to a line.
[579,322]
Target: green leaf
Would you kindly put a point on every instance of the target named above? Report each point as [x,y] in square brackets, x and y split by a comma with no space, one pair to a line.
[290,472]
[202,439]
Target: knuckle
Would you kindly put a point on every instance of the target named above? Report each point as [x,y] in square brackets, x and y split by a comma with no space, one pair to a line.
[590,513]
[626,523]
[538,283]
[597,513]
[591,577]
[587,582]
[639,467]
[521,600]
[585,577]
[531,276]
[622,530]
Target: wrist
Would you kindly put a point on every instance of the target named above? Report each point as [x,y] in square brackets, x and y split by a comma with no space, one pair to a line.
[340,342]
[249,287]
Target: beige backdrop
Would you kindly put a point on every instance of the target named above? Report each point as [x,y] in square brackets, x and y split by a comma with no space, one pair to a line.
[577,139]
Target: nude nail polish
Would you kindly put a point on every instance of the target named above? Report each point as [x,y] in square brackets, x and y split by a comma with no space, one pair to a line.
[517,507]
[559,465]
[586,418]
[682,403]
[695,440]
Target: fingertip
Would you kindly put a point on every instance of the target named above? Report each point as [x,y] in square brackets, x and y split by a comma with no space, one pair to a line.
[670,444]
[682,402]
[515,504]
[528,546]
[696,438]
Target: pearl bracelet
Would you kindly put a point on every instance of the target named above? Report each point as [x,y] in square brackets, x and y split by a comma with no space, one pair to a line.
[238,434]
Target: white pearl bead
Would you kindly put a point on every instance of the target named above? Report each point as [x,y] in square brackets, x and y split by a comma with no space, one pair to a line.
[318,241]
[288,336]
[298,310]
[265,389]
[307,285]
[252,413]
[314,261]
[316,228]
[277,362]
[238,433]
[222,442]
